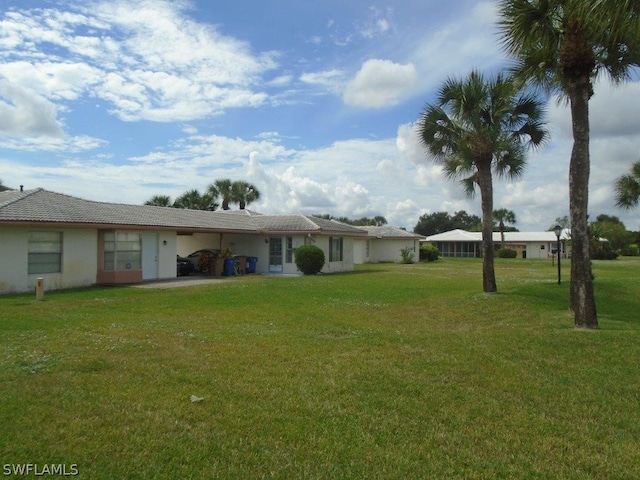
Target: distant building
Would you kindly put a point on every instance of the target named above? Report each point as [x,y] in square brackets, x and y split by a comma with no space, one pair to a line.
[460,243]
[383,244]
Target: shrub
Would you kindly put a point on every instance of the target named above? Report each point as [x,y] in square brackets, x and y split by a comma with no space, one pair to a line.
[309,259]
[506,253]
[429,252]
[407,254]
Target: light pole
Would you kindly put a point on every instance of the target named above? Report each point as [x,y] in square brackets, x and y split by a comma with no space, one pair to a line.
[558,231]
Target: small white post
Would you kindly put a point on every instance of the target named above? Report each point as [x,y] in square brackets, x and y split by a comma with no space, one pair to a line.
[40,288]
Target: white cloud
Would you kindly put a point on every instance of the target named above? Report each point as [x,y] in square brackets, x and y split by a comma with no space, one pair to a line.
[330,79]
[380,83]
[147,59]
[378,23]
[25,113]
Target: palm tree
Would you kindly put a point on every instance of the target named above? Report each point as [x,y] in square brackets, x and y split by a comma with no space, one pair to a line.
[501,216]
[244,193]
[159,201]
[628,188]
[562,45]
[478,127]
[193,200]
[223,189]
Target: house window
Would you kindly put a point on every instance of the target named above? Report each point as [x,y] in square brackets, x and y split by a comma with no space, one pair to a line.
[122,251]
[335,249]
[45,252]
[289,252]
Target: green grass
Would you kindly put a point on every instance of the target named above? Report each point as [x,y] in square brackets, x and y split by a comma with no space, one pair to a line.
[393,371]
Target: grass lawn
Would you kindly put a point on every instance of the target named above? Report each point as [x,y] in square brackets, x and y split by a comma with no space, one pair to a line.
[393,371]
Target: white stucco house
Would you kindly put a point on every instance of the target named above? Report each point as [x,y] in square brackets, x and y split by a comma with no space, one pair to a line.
[384,243]
[71,242]
[460,243]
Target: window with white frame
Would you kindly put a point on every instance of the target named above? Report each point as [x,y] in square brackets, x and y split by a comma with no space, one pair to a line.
[45,252]
[335,249]
[122,251]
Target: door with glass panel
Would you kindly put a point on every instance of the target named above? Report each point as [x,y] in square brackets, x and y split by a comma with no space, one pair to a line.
[275,255]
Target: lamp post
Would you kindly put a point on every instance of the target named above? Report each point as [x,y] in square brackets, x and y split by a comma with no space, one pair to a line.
[558,231]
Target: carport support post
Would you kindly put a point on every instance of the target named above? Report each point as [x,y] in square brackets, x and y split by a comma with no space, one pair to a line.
[40,289]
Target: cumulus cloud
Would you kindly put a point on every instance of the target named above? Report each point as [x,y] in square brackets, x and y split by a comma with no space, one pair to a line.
[380,83]
[25,113]
[148,60]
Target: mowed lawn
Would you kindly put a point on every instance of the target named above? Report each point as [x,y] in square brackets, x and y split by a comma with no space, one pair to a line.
[390,372]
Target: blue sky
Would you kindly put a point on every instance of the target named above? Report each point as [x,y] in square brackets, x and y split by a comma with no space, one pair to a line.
[313,102]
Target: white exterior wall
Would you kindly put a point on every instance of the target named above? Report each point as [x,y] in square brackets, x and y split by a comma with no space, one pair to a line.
[346,265]
[360,250]
[167,255]
[389,250]
[383,250]
[535,250]
[79,260]
[13,260]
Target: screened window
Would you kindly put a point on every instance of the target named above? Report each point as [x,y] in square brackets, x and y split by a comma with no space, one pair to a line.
[335,249]
[122,251]
[45,252]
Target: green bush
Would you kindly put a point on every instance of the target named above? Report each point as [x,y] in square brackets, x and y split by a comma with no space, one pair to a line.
[506,253]
[309,259]
[429,252]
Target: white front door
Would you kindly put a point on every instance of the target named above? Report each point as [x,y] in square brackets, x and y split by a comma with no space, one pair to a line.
[150,250]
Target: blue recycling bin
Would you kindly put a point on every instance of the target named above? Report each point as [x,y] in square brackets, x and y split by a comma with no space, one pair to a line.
[251,264]
[229,267]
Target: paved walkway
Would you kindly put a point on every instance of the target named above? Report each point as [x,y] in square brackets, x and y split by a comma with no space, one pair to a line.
[181,282]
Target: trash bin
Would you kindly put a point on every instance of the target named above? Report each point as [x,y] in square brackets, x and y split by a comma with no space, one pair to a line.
[229,266]
[251,264]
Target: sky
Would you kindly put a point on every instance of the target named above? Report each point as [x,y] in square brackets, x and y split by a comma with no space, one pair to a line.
[315,103]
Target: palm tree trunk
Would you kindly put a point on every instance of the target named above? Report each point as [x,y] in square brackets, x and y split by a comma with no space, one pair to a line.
[582,298]
[485,182]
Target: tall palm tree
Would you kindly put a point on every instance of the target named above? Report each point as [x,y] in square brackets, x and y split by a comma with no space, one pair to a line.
[194,200]
[159,201]
[223,189]
[563,45]
[244,193]
[478,127]
[628,188]
[502,216]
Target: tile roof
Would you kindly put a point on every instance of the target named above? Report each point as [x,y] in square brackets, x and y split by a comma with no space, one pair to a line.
[42,206]
[295,223]
[387,231]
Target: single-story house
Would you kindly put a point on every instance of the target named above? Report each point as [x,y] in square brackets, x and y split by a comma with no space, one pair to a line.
[460,243]
[383,244]
[72,242]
